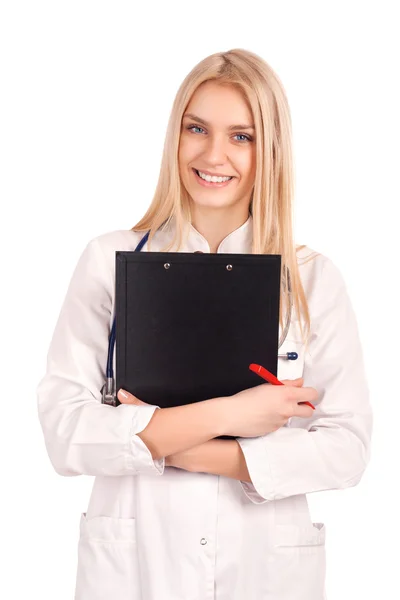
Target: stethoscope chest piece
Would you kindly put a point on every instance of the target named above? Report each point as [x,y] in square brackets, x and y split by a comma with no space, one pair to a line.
[289,355]
[108,392]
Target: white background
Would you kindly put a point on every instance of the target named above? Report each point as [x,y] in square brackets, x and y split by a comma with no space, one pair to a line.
[86,91]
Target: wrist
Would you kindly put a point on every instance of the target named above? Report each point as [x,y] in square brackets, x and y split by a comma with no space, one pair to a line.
[169,461]
[221,415]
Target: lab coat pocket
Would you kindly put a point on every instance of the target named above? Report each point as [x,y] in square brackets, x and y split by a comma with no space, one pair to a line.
[298,562]
[107,559]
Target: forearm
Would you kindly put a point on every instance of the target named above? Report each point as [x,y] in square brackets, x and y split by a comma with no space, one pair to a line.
[219,457]
[175,429]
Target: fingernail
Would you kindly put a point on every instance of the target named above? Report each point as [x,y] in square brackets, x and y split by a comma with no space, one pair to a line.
[122,393]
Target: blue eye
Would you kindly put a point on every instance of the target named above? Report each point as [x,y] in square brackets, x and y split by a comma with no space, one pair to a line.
[247,138]
[194,126]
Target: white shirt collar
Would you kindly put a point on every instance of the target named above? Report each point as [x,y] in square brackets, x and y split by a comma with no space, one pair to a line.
[238,241]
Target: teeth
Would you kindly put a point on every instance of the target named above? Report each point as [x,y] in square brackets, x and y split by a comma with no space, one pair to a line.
[213,179]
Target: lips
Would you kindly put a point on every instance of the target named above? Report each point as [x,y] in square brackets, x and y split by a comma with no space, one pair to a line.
[210,174]
[210,184]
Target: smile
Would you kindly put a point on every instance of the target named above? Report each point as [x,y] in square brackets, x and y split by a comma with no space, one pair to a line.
[205,183]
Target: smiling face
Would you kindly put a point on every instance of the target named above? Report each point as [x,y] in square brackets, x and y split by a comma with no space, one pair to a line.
[218,138]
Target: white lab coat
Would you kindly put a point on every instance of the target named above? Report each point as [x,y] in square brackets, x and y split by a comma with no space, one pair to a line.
[152,532]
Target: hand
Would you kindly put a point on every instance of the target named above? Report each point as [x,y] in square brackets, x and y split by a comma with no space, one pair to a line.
[130,398]
[265,408]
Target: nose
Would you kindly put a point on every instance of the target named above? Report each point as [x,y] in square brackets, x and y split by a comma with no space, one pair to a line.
[215,151]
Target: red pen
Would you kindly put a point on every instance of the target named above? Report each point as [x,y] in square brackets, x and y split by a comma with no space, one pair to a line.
[265,374]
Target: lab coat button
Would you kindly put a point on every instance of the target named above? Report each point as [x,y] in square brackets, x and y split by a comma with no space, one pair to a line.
[203,541]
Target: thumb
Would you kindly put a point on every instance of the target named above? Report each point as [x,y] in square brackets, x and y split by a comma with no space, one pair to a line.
[293,382]
[127,398]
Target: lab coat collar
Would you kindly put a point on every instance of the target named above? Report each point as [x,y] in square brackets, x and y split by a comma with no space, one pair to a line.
[238,241]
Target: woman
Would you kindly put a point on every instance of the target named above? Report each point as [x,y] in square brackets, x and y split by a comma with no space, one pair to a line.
[174,513]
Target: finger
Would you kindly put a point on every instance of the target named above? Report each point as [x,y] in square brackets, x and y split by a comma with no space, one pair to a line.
[303,410]
[293,382]
[307,394]
[127,398]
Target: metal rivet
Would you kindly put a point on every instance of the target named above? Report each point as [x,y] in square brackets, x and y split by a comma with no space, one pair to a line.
[229,267]
[167,265]
[203,541]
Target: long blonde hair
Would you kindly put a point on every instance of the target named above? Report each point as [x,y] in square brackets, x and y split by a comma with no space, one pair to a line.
[272,199]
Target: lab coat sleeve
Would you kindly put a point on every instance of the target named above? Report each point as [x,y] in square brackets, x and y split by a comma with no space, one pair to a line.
[82,435]
[331,449]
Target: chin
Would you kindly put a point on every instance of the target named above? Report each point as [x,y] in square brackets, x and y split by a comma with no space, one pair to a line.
[199,200]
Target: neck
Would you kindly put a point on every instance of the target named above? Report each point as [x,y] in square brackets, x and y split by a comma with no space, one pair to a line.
[215,225]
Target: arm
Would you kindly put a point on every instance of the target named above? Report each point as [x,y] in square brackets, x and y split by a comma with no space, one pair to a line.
[219,457]
[331,449]
[82,435]
[176,429]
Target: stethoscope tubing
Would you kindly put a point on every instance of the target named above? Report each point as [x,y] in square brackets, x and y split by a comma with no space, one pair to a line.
[111,343]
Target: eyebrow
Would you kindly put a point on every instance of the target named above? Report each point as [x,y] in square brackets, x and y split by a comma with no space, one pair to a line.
[230,128]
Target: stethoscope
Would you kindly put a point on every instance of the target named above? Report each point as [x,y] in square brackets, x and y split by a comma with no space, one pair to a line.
[108,392]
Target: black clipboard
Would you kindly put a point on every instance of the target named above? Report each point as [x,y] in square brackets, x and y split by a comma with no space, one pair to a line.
[188,325]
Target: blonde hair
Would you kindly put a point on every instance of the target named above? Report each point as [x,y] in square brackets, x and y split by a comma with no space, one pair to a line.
[272,199]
